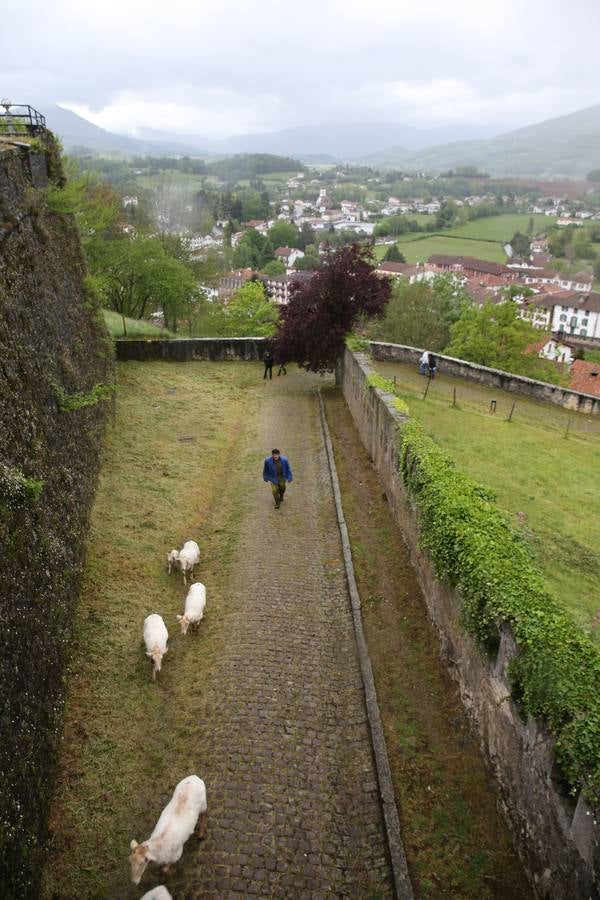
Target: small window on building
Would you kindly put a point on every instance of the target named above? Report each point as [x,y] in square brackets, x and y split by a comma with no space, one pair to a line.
[585,323]
[563,318]
[583,333]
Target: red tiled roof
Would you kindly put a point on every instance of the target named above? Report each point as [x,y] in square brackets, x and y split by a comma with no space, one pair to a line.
[396,267]
[578,299]
[284,251]
[470,263]
[585,377]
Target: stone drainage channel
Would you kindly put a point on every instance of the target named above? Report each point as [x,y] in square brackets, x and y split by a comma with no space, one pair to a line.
[402,882]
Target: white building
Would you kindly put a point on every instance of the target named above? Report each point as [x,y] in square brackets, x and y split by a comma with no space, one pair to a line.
[576,313]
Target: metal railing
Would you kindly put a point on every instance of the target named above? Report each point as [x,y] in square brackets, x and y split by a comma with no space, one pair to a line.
[20,118]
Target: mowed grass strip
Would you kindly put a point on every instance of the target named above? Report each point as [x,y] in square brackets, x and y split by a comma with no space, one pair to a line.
[547,483]
[127,740]
[456,842]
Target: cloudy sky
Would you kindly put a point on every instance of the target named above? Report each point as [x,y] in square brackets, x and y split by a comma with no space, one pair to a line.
[221,67]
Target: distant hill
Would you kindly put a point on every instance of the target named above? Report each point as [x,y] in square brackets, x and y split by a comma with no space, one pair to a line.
[567,146]
[76,132]
[346,142]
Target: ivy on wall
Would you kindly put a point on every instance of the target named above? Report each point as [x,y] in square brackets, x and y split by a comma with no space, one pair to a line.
[556,673]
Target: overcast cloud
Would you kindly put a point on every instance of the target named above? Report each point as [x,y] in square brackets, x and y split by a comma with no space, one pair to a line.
[232,66]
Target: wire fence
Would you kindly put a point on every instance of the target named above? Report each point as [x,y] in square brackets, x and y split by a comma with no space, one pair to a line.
[470,396]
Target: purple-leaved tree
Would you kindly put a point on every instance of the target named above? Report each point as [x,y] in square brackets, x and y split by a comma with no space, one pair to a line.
[321,311]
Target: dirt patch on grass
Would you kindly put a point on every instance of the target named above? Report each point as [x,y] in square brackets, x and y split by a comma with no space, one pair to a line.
[456,841]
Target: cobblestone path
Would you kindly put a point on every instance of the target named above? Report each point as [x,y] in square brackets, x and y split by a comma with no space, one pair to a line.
[286,756]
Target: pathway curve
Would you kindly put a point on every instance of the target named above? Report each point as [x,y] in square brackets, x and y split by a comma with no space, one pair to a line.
[293,798]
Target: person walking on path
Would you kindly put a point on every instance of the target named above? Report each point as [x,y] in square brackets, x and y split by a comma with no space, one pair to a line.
[432,365]
[282,368]
[276,472]
[268,360]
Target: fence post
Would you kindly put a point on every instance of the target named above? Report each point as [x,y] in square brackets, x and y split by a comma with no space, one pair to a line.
[454,397]
[512,409]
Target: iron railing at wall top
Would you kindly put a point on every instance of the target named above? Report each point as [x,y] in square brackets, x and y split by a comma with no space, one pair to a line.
[20,118]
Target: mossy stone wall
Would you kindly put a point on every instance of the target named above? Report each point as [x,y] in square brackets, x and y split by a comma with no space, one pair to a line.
[51,333]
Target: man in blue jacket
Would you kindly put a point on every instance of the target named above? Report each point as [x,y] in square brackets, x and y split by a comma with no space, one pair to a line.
[277,471]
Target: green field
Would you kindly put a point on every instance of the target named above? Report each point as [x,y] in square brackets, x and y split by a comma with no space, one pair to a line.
[501,228]
[421,250]
[135,328]
[546,483]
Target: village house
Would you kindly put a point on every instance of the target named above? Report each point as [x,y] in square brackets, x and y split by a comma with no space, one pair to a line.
[576,313]
[585,377]
[278,286]
[404,270]
[482,269]
[231,281]
[538,310]
[557,351]
[288,255]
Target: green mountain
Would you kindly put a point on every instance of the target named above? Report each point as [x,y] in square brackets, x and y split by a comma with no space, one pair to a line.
[568,146]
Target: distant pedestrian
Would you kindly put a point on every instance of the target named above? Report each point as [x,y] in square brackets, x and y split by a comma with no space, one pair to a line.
[424,363]
[277,472]
[432,365]
[268,360]
[282,369]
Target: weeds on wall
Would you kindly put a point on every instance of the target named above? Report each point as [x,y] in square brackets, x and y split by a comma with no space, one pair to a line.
[385,384]
[556,673]
[71,402]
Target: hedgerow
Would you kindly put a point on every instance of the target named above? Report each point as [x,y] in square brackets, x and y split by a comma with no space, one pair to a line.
[555,675]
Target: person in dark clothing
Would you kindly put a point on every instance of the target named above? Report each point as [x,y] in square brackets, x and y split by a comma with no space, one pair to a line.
[432,364]
[282,368]
[276,472]
[268,360]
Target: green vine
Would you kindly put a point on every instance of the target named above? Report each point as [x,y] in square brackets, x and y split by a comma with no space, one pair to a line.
[384,384]
[556,673]
[357,343]
[71,402]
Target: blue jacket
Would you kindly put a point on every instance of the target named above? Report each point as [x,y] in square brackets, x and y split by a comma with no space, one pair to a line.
[270,470]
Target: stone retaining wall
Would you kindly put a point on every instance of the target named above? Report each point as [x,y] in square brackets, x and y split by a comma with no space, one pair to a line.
[186,349]
[517,384]
[556,839]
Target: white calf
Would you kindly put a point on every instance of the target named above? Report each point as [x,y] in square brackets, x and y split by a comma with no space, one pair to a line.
[189,556]
[155,639]
[177,821]
[194,607]
[158,893]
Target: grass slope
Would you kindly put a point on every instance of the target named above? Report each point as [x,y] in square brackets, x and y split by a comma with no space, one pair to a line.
[533,469]
[155,491]
[136,328]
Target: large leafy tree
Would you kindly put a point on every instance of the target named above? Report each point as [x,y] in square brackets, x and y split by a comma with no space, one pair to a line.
[249,313]
[322,310]
[420,314]
[284,234]
[393,254]
[494,335]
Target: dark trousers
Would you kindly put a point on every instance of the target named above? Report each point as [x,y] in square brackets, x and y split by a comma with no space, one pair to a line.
[283,369]
[278,491]
[269,369]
